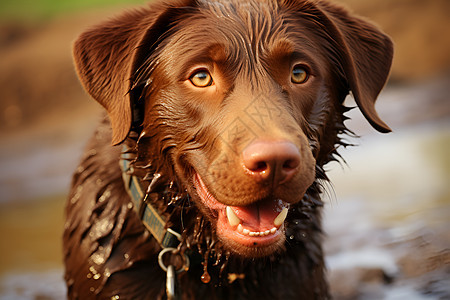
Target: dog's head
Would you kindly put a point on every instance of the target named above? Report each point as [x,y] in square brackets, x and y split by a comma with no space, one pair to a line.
[240,101]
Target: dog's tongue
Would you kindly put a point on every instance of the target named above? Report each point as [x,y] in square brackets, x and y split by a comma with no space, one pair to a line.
[259,216]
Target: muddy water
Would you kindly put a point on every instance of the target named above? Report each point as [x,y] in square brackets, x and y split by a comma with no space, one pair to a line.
[387,213]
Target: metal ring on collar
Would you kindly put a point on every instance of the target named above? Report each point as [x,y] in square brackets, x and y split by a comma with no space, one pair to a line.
[183,268]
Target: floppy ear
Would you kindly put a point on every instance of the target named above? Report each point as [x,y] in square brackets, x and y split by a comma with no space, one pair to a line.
[108,56]
[366,55]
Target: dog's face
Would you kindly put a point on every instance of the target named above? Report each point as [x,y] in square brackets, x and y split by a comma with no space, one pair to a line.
[242,101]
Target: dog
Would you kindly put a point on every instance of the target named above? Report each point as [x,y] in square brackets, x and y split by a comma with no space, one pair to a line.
[203,180]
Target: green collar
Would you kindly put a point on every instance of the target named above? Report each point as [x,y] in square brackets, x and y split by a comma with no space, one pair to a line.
[150,217]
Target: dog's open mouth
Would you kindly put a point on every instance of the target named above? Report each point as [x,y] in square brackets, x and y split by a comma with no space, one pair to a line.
[257,225]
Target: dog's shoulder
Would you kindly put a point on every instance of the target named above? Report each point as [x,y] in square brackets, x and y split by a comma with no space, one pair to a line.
[99,215]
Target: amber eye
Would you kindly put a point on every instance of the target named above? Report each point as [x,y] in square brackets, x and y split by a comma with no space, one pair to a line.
[299,74]
[201,79]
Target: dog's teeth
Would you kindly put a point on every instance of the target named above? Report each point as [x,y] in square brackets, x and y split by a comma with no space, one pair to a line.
[247,232]
[235,222]
[232,218]
[281,217]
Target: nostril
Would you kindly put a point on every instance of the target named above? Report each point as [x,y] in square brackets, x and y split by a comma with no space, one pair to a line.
[255,165]
[261,166]
[291,164]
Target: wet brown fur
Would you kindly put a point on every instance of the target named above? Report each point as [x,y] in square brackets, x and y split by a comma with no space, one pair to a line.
[137,66]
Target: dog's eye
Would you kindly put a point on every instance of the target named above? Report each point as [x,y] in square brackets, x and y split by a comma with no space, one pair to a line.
[299,74]
[201,79]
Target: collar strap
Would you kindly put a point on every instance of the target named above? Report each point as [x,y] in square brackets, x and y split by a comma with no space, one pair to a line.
[153,221]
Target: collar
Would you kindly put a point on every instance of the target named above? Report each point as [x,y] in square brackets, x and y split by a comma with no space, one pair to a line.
[153,221]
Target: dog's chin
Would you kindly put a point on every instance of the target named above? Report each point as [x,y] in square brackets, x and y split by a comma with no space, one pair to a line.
[250,231]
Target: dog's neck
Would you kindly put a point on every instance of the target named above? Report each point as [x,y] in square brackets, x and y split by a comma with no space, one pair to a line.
[167,237]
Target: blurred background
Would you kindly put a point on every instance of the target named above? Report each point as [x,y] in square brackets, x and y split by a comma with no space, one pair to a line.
[387,212]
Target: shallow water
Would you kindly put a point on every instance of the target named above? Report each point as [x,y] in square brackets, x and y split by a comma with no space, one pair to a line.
[386,218]
[390,213]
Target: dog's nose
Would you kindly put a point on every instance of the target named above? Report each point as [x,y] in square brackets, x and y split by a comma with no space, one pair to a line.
[271,161]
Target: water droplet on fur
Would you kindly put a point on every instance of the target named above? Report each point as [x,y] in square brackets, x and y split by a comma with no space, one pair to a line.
[77,195]
[205,277]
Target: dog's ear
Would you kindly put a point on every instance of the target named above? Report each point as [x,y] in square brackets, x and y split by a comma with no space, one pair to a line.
[365,53]
[107,57]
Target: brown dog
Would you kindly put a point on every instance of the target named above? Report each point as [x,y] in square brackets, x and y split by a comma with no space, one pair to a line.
[226,112]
